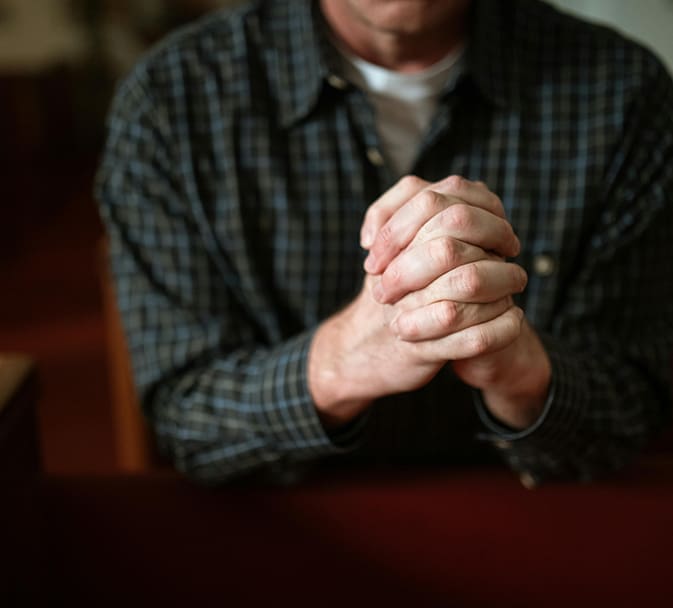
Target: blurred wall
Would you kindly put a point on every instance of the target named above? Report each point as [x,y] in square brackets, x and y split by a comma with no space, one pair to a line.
[35,33]
[650,22]
[38,33]
[59,61]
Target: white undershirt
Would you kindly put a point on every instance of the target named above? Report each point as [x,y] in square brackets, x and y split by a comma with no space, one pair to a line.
[404,104]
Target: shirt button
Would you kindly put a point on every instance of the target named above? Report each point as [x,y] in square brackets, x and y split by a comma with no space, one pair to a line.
[528,481]
[502,444]
[544,265]
[337,82]
[375,157]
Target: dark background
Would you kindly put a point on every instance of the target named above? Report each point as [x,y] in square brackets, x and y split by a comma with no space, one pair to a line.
[52,108]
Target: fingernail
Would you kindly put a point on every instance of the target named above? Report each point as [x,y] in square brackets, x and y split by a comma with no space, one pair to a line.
[370,262]
[524,279]
[367,238]
[517,246]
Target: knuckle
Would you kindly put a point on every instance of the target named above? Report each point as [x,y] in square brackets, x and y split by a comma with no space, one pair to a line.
[446,314]
[410,183]
[458,217]
[455,183]
[427,201]
[442,251]
[392,277]
[471,280]
[495,203]
[408,327]
[478,341]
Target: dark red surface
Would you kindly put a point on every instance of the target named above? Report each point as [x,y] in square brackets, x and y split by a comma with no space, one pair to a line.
[471,538]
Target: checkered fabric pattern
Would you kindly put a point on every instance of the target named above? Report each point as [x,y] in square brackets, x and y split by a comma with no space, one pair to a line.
[234,182]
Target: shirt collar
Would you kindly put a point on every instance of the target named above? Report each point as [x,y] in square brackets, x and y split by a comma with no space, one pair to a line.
[301,56]
[298,55]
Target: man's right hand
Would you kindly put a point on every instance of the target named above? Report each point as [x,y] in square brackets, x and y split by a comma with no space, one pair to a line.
[444,293]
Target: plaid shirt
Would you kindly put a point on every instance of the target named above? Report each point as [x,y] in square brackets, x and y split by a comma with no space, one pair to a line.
[238,168]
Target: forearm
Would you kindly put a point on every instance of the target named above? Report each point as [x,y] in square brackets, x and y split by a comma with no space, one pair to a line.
[232,414]
[335,370]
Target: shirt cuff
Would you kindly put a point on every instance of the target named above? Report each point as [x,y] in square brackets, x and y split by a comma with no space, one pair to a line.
[288,414]
[555,432]
[350,435]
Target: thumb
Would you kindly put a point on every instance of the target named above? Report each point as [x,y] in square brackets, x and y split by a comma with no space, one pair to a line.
[383,208]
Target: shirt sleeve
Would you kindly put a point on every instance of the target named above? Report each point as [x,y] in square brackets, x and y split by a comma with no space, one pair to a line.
[221,401]
[611,341]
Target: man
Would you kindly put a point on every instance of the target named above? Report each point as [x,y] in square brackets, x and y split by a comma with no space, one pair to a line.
[513,295]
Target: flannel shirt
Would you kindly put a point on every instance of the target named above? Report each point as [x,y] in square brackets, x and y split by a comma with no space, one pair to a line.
[238,167]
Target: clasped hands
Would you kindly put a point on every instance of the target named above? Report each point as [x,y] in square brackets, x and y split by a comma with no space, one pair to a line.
[438,290]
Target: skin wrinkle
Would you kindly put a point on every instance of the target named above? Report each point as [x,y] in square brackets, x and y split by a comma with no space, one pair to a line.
[438,288]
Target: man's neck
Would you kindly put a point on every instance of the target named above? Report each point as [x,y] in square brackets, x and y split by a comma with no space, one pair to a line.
[402,51]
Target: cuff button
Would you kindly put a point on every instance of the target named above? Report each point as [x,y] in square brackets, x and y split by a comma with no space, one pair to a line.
[528,481]
[544,265]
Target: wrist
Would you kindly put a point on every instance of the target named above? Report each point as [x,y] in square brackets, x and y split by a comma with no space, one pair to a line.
[332,385]
[518,397]
[517,410]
